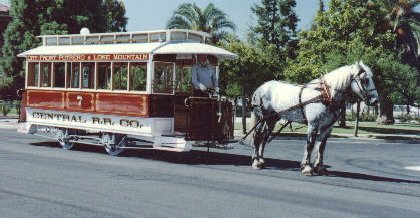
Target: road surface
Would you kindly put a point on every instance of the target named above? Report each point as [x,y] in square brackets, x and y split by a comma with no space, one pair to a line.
[367,178]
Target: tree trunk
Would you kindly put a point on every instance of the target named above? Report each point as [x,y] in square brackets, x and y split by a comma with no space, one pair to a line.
[386,109]
[356,125]
[244,107]
[342,121]
[408,109]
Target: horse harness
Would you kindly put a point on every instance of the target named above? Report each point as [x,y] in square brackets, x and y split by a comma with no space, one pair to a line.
[325,97]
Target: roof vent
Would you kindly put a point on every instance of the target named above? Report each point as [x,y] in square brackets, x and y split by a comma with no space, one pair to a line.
[84,31]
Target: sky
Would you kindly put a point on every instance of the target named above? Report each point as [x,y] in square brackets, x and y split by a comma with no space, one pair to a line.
[154,14]
[148,15]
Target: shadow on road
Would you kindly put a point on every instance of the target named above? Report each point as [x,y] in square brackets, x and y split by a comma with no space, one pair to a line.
[195,157]
[368,177]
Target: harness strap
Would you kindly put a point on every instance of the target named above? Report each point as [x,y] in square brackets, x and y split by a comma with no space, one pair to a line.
[325,92]
[302,105]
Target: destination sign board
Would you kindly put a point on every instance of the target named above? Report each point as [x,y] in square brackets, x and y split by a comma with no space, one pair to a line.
[89,57]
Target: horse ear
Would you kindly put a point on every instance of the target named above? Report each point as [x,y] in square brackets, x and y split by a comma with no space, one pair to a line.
[358,65]
[361,63]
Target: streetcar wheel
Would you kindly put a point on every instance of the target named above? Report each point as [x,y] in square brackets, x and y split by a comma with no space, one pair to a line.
[62,138]
[112,146]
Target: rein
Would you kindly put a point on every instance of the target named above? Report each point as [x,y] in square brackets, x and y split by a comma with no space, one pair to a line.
[361,87]
[302,104]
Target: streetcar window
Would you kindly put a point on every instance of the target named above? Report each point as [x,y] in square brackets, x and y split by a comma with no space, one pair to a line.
[123,38]
[178,36]
[74,79]
[64,41]
[163,78]
[88,75]
[92,39]
[107,39]
[51,40]
[138,76]
[77,40]
[33,74]
[45,74]
[195,37]
[104,75]
[120,76]
[139,38]
[183,79]
[157,37]
[59,75]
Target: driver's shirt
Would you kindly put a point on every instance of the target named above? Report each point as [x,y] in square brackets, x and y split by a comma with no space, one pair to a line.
[204,74]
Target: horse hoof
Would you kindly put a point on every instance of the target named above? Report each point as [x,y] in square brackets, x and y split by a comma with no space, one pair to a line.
[307,171]
[320,171]
[256,165]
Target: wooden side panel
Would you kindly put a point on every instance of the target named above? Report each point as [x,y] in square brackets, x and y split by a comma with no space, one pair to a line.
[45,99]
[80,101]
[181,112]
[122,104]
[210,120]
[137,105]
[162,106]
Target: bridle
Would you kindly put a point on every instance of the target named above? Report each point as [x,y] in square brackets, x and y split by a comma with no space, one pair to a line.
[364,91]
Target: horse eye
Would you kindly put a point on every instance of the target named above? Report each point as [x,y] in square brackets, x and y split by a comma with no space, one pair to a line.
[367,81]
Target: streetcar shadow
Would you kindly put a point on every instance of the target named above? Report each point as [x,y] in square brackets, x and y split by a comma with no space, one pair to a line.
[197,157]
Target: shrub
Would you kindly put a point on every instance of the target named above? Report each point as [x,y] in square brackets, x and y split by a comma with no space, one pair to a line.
[364,117]
[5,108]
[17,104]
[405,118]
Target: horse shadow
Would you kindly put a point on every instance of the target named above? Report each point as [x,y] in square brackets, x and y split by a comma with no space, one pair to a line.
[210,158]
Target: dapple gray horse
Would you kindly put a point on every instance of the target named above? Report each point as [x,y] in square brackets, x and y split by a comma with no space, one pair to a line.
[275,100]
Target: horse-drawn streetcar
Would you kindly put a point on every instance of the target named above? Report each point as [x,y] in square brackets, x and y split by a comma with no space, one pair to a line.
[148,90]
[124,90]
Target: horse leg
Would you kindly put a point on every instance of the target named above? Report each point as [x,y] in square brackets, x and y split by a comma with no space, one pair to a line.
[258,138]
[267,133]
[319,162]
[305,166]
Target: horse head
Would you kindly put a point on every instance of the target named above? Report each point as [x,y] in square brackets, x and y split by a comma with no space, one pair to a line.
[362,84]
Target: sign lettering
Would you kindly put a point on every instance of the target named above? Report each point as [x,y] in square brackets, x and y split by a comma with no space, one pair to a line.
[79,119]
[89,57]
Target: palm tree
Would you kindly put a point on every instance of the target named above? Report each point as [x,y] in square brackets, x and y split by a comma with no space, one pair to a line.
[404,21]
[210,19]
[401,18]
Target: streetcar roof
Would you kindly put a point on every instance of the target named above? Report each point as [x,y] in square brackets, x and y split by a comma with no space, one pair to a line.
[172,41]
[133,48]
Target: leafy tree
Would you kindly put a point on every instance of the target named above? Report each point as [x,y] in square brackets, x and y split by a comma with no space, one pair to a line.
[38,17]
[115,15]
[352,26]
[277,24]
[210,19]
[255,65]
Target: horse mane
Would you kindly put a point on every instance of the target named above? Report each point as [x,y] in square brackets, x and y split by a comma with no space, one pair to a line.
[340,79]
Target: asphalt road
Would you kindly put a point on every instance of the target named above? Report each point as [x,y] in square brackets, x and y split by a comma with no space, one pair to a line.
[367,178]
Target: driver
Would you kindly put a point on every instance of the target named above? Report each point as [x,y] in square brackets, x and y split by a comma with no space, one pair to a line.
[204,77]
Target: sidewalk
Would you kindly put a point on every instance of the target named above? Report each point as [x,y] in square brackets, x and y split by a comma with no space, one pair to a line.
[9,122]
[361,137]
[286,134]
